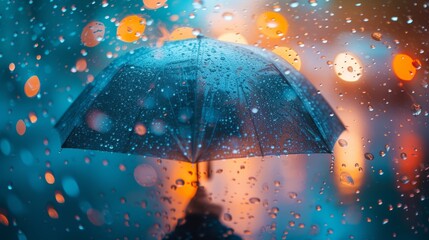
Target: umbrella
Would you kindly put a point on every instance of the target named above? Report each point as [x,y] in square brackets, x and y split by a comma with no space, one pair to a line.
[199,100]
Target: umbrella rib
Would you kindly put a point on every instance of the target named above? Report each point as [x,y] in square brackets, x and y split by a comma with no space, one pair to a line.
[172,132]
[194,130]
[214,128]
[307,108]
[252,119]
[179,143]
[126,146]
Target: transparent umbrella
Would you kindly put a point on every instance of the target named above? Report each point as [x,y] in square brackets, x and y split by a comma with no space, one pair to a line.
[199,100]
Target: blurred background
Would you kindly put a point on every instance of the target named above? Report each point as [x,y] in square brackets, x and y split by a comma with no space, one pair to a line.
[369,59]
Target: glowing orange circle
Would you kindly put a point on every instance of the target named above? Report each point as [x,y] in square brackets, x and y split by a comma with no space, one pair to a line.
[21,127]
[154,4]
[81,65]
[272,24]
[32,86]
[52,213]
[92,34]
[140,129]
[11,67]
[290,55]
[59,197]
[4,220]
[49,177]
[233,37]
[131,28]
[403,67]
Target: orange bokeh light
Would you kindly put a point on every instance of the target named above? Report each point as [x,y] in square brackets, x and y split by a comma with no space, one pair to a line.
[33,117]
[131,28]
[154,4]
[403,67]
[182,33]
[140,129]
[92,34]
[52,213]
[233,37]
[32,86]
[81,65]
[11,67]
[49,177]
[272,24]
[21,127]
[59,197]
[348,67]
[4,220]
[290,55]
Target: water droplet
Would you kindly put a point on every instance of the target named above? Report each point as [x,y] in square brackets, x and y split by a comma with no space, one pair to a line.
[369,156]
[417,64]
[227,217]
[294,4]
[293,195]
[342,142]
[277,8]
[254,200]
[405,179]
[275,210]
[180,182]
[403,156]
[228,16]
[387,147]
[347,179]
[416,109]
[376,36]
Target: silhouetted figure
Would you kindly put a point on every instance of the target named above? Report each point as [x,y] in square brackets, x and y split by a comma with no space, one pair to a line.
[202,221]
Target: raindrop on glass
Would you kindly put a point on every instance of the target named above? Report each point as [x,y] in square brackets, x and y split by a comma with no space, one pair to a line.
[405,179]
[369,156]
[376,36]
[346,179]
[227,217]
[254,200]
[342,142]
[228,16]
[293,195]
[180,182]
[416,109]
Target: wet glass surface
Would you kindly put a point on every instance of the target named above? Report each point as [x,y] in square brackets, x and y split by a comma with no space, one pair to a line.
[137,77]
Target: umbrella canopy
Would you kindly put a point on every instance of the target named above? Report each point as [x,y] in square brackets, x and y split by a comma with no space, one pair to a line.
[198,100]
